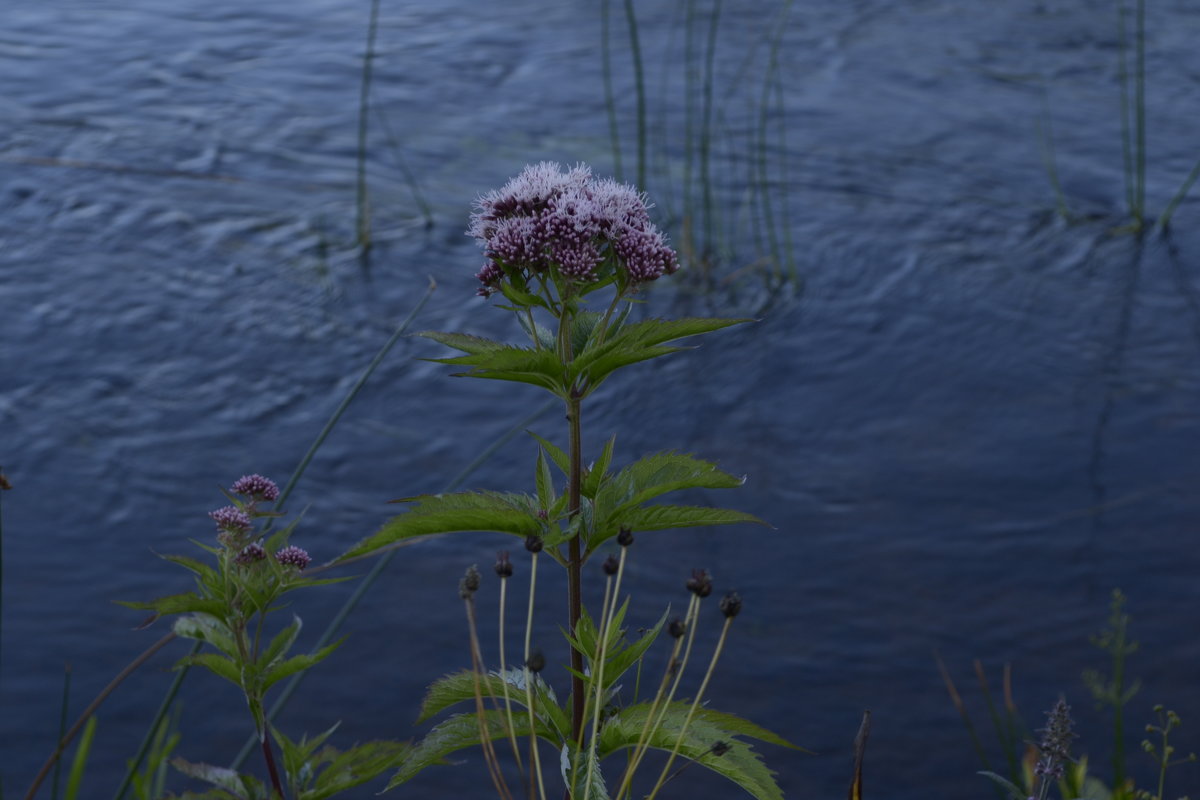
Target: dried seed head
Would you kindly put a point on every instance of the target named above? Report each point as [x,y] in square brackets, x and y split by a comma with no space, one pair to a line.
[536,662]
[469,583]
[504,567]
[676,628]
[534,543]
[731,604]
[700,584]
[611,565]
[625,537]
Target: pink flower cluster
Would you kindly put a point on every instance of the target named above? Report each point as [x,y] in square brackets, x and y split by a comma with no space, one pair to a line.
[547,219]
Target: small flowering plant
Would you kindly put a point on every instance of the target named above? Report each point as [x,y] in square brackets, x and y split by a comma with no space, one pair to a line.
[228,611]
[551,239]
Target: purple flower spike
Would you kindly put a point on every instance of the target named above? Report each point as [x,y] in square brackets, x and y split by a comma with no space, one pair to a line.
[231,519]
[256,486]
[293,556]
[250,554]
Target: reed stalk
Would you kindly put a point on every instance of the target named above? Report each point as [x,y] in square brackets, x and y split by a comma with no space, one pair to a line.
[610,100]
[362,200]
[639,90]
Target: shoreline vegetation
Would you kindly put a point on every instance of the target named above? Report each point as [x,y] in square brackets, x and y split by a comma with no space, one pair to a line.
[580,508]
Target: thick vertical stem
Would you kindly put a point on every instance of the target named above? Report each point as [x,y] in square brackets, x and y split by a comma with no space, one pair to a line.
[575,564]
[271,769]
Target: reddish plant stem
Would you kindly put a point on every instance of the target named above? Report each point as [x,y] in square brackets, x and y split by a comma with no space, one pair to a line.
[271,769]
[575,566]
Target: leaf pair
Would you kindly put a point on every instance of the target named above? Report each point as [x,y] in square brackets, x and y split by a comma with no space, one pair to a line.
[597,351]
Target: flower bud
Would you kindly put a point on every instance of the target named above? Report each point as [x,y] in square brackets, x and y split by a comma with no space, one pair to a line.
[700,584]
[469,583]
[676,628]
[625,537]
[536,662]
[731,604]
[611,565]
[534,543]
[504,567]
[256,487]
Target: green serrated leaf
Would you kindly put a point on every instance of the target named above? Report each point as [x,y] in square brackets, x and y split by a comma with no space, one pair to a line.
[556,453]
[545,481]
[245,787]
[474,345]
[658,474]
[620,660]
[739,763]
[295,664]
[204,571]
[207,628]
[638,341]
[599,470]
[588,779]
[661,517]
[461,731]
[219,665]
[459,687]
[281,643]
[354,767]
[450,513]
[179,604]
[538,366]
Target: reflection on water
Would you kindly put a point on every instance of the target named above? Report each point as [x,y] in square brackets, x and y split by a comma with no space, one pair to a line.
[972,424]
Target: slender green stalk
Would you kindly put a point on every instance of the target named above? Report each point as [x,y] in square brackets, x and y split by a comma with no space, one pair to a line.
[1165,219]
[706,125]
[512,737]
[66,739]
[1007,744]
[62,727]
[607,612]
[4,486]
[610,100]
[148,739]
[659,706]
[692,711]
[575,562]
[1140,108]
[1049,158]
[1126,111]
[485,739]
[534,758]
[640,91]
[689,122]
[414,187]
[362,201]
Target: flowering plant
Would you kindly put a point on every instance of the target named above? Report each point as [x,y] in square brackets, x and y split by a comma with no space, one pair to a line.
[551,238]
[228,611]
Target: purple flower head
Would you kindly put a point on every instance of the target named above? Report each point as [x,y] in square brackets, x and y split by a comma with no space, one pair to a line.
[231,519]
[293,556]
[250,554]
[256,487]
[569,222]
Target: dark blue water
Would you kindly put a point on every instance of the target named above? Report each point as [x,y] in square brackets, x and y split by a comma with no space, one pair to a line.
[971,425]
